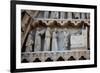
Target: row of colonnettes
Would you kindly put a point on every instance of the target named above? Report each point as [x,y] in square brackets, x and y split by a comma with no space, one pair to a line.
[58,14]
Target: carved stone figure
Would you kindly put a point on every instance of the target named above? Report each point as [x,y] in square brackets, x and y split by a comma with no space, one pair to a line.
[29,43]
[54,41]
[47,40]
[37,46]
[60,39]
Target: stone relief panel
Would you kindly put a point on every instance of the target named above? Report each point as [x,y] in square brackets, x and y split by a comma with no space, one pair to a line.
[48,36]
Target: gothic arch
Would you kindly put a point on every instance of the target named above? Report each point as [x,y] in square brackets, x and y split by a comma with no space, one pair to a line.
[82,24]
[54,24]
[68,24]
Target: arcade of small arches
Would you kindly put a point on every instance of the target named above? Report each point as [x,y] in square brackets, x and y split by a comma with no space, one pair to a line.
[55,56]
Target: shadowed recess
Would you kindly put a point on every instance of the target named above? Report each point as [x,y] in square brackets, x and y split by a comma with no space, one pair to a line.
[37,60]
[60,59]
[71,58]
[48,60]
[24,61]
[82,58]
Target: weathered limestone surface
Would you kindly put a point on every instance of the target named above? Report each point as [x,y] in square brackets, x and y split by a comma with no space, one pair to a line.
[63,41]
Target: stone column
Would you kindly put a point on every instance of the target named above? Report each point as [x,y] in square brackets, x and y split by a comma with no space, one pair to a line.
[69,15]
[46,14]
[76,15]
[54,15]
[88,15]
[66,39]
[62,15]
[82,15]
[84,34]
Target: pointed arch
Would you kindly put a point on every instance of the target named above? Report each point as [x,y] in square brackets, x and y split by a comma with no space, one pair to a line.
[69,24]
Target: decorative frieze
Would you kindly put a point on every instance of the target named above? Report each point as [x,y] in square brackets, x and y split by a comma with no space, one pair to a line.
[56,56]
